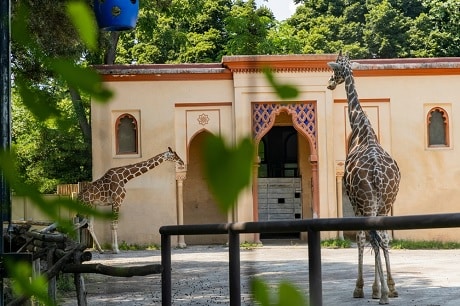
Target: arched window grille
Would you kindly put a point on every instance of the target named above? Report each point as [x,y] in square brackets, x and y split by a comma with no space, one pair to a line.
[126,134]
[438,128]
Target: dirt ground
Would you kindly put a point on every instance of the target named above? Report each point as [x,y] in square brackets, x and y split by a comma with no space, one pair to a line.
[200,275]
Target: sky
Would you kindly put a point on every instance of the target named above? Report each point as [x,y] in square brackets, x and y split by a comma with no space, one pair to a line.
[282,9]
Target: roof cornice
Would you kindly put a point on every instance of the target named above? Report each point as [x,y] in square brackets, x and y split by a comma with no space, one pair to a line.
[231,65]
[278,63]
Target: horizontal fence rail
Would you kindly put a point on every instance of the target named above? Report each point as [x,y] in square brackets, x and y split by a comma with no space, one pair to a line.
[312,226]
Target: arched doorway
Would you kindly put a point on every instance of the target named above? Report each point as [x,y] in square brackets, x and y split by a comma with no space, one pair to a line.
[286,185]
[284,176]
[199,205]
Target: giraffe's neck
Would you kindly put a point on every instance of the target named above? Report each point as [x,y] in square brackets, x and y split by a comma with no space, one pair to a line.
[362,132]
[134,170]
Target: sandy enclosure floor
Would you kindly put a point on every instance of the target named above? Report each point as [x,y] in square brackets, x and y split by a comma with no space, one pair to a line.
[200,276]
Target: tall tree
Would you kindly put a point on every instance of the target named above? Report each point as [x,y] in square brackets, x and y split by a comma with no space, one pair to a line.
[372,28]
[247,28]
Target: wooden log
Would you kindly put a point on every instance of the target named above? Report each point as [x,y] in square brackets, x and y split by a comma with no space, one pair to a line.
[113,271]
[49,274]
[47,237]
[84,256]
[39,223]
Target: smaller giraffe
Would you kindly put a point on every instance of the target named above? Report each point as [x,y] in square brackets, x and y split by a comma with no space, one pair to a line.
[371,180]
[109,190]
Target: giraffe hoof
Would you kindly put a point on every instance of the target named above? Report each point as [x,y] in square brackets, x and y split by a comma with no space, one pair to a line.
[376,295]
[393,294]
[384,301]
[358,293]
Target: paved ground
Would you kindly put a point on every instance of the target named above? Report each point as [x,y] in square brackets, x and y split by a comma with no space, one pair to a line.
[200,276]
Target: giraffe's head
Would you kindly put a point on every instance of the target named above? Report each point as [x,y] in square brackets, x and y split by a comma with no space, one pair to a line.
[340,67]
[172,156]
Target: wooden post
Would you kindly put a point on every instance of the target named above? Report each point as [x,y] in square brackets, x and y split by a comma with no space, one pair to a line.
[79,282]
[52,280]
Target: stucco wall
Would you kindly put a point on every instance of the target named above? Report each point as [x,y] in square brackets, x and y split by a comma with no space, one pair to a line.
[151,198]
[397,104]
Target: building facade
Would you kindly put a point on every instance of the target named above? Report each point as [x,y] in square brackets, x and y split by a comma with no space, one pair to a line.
[412,104]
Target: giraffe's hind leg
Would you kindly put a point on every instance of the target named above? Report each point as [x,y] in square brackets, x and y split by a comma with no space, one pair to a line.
[376,242]
[391,283]
[360,240]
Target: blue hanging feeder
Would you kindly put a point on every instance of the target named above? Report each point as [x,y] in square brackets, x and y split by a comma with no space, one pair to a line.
[116,15]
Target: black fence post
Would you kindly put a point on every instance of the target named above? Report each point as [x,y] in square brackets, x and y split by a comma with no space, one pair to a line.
[234,267]
[166,298]
[314,268]
[5,119]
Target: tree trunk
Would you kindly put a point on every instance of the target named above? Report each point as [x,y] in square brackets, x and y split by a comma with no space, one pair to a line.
[111,52]
[81,115]
[109,58]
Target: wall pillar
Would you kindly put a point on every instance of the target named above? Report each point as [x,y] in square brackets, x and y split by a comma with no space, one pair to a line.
[315,187]
[339,170]
[180,177]
[255,197]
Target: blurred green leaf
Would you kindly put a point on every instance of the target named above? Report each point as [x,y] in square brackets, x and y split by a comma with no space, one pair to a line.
[289,295]
[228,169]
[36,100]
[83,20]
[23,285]
[284,91]
[260,291]
[83,78]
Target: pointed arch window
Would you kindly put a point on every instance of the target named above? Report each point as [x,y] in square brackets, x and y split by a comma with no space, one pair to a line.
[126,128]
[438,128]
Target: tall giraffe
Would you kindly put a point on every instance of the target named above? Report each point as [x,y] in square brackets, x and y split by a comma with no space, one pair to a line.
[371,181]
[109,190]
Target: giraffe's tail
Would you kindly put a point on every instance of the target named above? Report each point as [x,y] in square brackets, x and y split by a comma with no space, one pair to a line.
[376,239]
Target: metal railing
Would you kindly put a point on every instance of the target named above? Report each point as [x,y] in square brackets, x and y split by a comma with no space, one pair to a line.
[312,226]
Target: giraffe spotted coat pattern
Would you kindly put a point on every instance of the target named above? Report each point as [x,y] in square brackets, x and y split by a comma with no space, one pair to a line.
[109,190]
[371,180]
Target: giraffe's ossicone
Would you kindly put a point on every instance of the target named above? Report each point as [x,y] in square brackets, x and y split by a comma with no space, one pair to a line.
[371,179]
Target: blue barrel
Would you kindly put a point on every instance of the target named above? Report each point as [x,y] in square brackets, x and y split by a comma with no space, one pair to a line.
[116,15]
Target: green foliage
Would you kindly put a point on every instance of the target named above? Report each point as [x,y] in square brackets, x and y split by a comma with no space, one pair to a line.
[124,246]
[423,245]
[286,295]
[183,31]
[49,151]
[64,282]
[22,283]
[250,245]
[81,16]
[336,243]
[378,29]
[247,27]
[228,169]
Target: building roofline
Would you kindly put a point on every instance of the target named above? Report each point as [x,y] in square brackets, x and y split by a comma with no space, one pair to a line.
[279,63]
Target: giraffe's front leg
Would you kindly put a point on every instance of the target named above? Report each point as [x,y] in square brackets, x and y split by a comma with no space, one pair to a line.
[115,237]
[361,240]
[93,234]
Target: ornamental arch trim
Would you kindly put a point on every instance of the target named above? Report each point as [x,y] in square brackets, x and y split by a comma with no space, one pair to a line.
[303,119]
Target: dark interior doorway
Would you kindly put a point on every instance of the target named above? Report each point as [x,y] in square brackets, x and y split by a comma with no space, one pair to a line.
[279,182]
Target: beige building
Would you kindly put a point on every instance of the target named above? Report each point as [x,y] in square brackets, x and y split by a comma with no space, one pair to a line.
[412,104]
